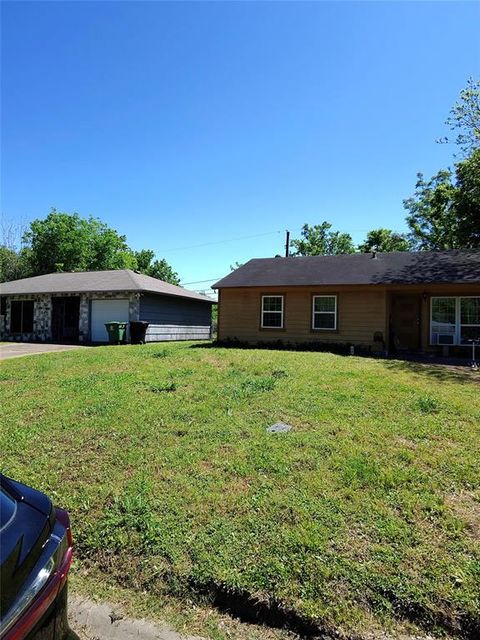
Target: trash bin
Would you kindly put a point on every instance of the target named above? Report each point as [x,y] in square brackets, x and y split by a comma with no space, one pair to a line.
[138,329]
[116,332]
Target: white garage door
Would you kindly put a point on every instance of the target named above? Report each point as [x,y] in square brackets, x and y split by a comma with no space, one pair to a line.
[107,311]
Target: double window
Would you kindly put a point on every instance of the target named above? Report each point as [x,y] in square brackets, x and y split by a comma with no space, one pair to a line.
[21,316]
[324,313]
[454,320]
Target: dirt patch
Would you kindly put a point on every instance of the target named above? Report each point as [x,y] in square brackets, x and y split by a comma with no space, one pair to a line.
[467,373]
[405,442]
[466,507]
[218,363]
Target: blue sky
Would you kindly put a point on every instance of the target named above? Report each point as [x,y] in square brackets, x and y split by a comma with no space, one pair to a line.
[185,124]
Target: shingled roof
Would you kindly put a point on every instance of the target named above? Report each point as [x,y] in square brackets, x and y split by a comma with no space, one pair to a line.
[399,267]
[96,281]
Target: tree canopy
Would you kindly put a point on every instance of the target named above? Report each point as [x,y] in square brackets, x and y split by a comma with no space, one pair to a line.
[13,264]
[155,268]
[67,242]
[444,212]
[384,240]
[464,119]
[467,199]
[319,240]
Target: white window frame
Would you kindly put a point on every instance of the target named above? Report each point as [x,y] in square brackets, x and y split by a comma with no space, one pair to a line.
[334,313]
[273,295]
[458,324]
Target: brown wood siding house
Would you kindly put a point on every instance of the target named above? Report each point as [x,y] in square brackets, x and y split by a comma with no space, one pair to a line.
[416,301]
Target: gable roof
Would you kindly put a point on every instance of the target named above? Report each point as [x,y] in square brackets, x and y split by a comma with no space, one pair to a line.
[399,267]
[97,281]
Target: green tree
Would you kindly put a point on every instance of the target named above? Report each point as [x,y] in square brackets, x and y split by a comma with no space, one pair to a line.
[155,268]
[13,261]
[432,218]
[67,242]
[467,200]
[384,240]
[109,249]
[444,212]
[319,240]
[464,119]
[144,260]
[13,264]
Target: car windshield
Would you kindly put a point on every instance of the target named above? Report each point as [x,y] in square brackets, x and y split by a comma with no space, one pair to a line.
[7,508]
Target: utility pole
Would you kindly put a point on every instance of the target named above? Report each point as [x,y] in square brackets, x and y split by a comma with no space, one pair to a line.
[287,244]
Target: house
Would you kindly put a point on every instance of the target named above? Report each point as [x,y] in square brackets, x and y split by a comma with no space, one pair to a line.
[74,307]
[412,301]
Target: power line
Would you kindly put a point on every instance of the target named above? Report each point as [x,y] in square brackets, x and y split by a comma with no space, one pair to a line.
[257,235]
[202,281]
[207,244]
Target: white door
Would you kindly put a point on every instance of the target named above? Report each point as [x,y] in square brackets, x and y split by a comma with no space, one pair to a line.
[107,311]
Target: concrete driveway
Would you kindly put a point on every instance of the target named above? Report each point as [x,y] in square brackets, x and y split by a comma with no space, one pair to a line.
[17,349]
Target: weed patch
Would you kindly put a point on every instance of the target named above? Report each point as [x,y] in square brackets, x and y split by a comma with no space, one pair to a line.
[161,353]
[247,386]
[428,404]
[279,373]
[165,387]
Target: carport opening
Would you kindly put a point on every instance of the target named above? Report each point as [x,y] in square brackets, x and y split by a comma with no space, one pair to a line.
[65,319]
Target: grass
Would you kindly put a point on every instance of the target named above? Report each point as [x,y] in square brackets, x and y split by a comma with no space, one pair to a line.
[365,515]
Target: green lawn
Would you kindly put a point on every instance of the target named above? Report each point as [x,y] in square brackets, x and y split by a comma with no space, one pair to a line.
[365,514]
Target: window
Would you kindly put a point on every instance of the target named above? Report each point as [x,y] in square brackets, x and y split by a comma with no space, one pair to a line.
[324,312]
[3,306]
[444,324]
[21,316]
[469,319]
[454,320]
[272,312]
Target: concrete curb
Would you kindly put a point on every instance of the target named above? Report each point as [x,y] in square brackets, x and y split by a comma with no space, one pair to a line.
[93,621]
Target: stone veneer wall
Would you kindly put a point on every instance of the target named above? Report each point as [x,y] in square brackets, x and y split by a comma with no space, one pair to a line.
[42,314]
[84,321]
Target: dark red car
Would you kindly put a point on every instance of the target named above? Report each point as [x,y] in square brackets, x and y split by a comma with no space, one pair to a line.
[35,556]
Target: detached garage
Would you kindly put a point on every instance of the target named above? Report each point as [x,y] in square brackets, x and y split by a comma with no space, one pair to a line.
[74,307]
